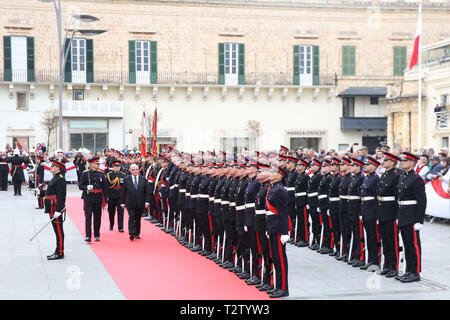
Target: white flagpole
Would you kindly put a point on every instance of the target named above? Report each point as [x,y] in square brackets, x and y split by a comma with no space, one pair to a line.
[419,142]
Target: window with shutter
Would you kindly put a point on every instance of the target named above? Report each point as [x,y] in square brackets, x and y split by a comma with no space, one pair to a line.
[221,64]
[348,60]
[7,58]
[399,60]
[30,59]
[132,61]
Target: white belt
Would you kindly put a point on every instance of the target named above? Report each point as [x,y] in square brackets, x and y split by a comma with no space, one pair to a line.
[224,202]
[188,194]
[367,198]
[3,163]
[182,190]
[172,187]
[407,202]
[217,201]
[269,213]
[232,204]
[354,197]
[343,197]
[203,195]
[321,196]
[300,194]
[250,205]
[334,199]
[290,188]
[260,211]
[211,199]
[390,198]
[238,208]
[194,196]
[313,194]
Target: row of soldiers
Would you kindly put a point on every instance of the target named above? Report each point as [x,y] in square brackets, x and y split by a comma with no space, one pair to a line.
[340,207]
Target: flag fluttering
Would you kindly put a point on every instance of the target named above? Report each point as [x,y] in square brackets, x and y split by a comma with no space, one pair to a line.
[415,55]
[154,134]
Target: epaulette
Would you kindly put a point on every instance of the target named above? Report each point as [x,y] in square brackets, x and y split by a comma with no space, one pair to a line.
[122,172]
[60,175]
[86,170]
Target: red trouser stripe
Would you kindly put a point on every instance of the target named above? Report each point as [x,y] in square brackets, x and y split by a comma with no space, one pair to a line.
[283,270]
[305,215]
[416,246]
[259,251]
[361,242]
[378,241]
[396,244]
[210,231]
[320,218]
[289,223]
[332,233]
[270,266]
[58,227]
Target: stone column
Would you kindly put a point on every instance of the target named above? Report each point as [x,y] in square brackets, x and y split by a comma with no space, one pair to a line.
[390,129]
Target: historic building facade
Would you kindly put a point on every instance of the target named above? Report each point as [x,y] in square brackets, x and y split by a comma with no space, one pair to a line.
[307,73]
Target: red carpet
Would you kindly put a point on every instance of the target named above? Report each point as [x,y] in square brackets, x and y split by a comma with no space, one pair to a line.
[157,267]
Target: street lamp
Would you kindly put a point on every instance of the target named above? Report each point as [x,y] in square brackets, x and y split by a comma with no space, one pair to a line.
[63,54]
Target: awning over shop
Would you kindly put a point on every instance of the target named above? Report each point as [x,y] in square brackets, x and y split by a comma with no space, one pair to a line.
[364,92]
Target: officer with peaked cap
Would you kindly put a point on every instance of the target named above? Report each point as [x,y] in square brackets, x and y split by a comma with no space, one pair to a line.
[93,185]
[114,183]
[17,163]
[301,188]
[333,203]
[344,220]
[277,219]
[290,188]
[387,214]
[356,257]
[369,214]
[313,202]
[323,205]
[55,202]
[412,202]
[39,182]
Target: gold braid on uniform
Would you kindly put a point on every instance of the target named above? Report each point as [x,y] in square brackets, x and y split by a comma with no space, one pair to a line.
[114,182]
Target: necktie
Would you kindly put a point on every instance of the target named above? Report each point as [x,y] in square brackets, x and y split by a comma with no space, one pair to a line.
[135,182]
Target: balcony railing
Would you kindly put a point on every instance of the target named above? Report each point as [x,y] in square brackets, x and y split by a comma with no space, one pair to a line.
[441,120]
[363,123]
[166,78]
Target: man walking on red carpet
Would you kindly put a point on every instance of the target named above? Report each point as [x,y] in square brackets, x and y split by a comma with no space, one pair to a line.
[135,196]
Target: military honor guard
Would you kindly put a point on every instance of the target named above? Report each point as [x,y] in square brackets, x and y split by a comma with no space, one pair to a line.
[313,202]
[412,203]
[55,201]
[333,204]
[301,230]
[39,182]
[344,220]
[327,242]
[114,183]
[93,185]
[4,171]
[17,163]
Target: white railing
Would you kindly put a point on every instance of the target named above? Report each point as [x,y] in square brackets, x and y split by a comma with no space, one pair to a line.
[441,120]
[102,109]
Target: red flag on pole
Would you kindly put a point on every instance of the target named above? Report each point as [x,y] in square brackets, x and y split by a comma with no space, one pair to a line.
[415,55]
[154,133]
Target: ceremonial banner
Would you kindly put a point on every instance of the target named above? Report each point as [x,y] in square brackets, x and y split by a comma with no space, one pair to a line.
[154,136]
[415,55]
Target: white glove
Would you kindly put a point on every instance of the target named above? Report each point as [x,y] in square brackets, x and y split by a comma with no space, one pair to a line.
[56,214]
[147,205]
[284,238]
[396,222]
[245,228]
[318,209]
[360,218]
[267,234]
[90,187]
[328,212]
[123,206]
[307,206]
[418,226]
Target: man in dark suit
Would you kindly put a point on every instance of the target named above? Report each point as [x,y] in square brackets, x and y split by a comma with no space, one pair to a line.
[135,197]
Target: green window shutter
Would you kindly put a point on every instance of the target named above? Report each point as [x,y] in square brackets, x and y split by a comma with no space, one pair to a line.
[132,61]
[30,59]
[348,60]
[241,70]
[153,62]
[68,65]
[296,80]
[89,60]
[7,58]
[316,66]
[399,61]
[221,79]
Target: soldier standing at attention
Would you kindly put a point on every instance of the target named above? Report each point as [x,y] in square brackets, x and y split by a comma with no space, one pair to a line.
[93,184]
[114,182]
[412,203]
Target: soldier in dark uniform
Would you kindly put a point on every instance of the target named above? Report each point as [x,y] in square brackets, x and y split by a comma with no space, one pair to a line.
[215,230]
[193,195]
[301,188]
[313,202]
[327,243]
[369,214]
[39,182]
[261,227]
[242,240]
[333,203]
[290,188]
[387,214]
[344,220]
[412,203]
[17,175]
[181,202]
[93,185]
[277,219]
[356,257]
[114,182]
[55,202]
[173,194]
[4,170]
[80,163]
[188,211]
[225,213]
[232,216]
[251,193]
[202,218]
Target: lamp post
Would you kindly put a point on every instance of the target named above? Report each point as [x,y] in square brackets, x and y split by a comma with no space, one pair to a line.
[63,54]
